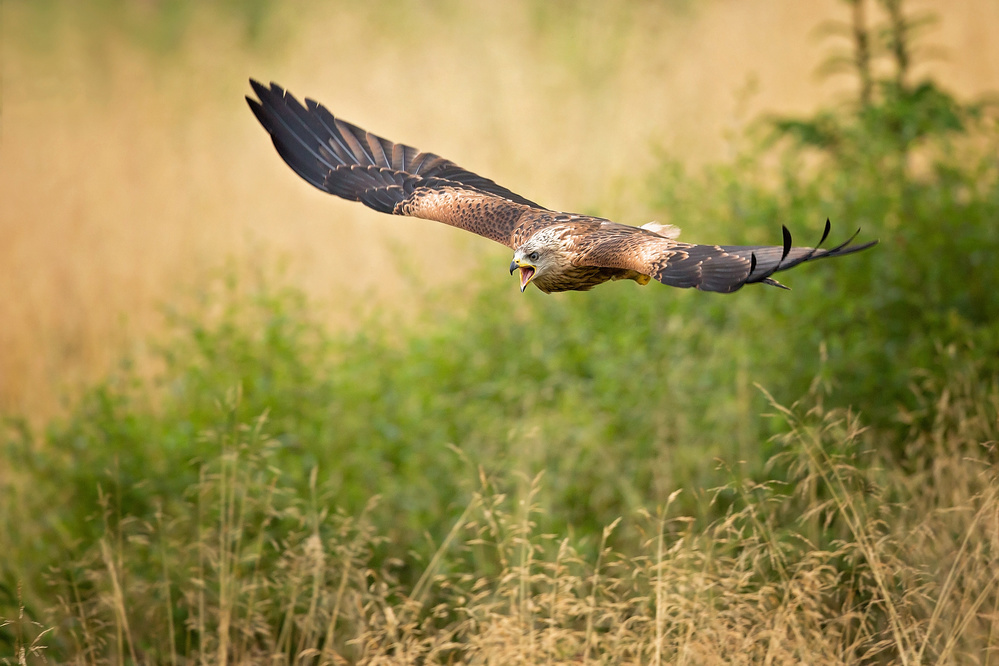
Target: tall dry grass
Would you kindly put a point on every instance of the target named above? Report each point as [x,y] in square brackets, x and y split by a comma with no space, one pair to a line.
[126,169]
[850,559]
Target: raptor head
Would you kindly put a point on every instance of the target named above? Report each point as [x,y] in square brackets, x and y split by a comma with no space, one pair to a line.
[540,259]
[527,264]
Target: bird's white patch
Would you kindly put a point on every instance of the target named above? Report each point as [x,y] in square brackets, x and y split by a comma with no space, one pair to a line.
[665,230]
[547,236]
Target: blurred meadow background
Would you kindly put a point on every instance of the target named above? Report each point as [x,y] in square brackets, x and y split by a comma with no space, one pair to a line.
[244,421]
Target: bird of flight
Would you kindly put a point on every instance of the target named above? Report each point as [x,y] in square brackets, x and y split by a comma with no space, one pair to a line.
[553,250]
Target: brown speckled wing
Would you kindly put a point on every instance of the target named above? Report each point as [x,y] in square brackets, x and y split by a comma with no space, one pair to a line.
[345,160]
[721,268]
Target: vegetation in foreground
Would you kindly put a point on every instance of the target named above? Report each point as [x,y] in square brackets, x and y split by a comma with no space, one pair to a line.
[502,484]
[848,559]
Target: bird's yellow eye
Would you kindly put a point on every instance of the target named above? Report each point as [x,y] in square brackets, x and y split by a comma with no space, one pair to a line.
[533,256]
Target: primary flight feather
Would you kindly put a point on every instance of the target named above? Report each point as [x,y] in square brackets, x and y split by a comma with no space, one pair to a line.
[555,251]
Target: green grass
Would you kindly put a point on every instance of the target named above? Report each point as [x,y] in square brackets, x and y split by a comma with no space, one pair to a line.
[850,559]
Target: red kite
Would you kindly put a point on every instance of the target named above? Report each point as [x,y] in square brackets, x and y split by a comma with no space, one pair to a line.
[553,250]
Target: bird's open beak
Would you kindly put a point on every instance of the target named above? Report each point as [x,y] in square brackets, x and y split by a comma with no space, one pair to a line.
[526,272]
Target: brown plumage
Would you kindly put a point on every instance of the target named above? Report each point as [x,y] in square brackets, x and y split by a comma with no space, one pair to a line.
[556,251]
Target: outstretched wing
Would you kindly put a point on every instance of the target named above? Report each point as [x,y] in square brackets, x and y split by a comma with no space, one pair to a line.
[345,160]
[722,268]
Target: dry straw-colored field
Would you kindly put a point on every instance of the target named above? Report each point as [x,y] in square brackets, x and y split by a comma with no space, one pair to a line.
[129,172]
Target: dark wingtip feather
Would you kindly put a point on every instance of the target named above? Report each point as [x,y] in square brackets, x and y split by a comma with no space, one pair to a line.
[258,110]
[825,233]
[853,248]
[843,248]
[261,89]
[787,244]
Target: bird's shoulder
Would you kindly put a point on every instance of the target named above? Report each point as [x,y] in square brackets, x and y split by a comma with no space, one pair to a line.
[581,231]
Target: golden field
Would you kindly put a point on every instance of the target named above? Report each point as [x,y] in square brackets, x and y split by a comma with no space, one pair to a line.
[130,167]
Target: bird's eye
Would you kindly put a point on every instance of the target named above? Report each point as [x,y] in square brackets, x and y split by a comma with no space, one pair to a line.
[533,256]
